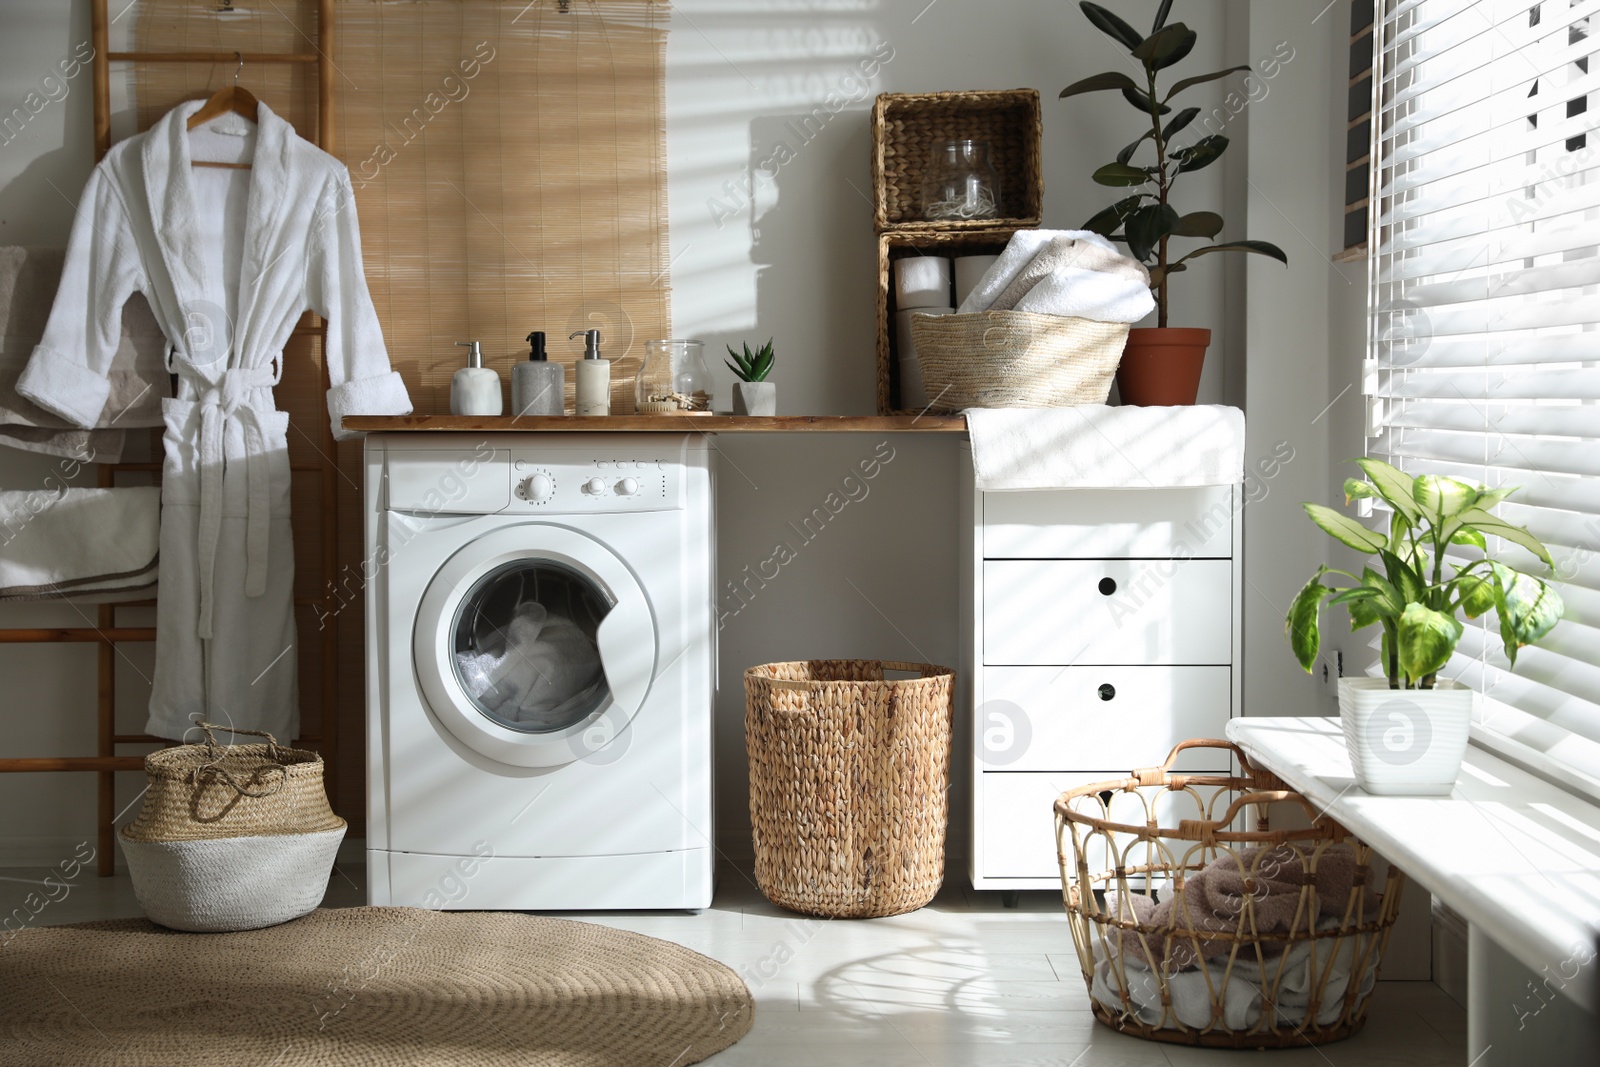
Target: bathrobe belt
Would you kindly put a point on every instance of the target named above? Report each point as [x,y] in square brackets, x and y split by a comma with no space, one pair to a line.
[228,399]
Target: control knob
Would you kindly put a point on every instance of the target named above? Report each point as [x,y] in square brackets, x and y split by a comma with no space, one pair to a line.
[539,488]
[594,487]
[627,487]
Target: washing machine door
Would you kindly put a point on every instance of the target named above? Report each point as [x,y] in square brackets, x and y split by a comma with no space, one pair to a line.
[534,645]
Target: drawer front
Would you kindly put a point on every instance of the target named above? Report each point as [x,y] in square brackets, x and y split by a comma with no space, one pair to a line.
[1100,523]
[1053,718]
[1107,612]
[1017,826]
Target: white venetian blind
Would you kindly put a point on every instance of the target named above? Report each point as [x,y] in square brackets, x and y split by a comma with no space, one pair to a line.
[1484,328]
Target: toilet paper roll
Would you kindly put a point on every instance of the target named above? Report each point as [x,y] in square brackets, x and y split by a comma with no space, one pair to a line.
[922,282]
[912,392]
[969,270]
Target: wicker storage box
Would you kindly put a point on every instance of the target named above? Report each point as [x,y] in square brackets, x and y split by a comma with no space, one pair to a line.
[907,127]
[848,780]
[1012,359]
[232,837]
[1197,923]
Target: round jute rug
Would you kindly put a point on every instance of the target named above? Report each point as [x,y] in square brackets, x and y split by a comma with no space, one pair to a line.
[360,986]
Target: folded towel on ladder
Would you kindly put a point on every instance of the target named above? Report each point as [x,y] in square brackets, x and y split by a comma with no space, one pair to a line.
[80,544]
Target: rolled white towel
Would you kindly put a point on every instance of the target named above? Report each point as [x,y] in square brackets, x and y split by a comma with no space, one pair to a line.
[969,271]
[922,282]
[1019,252]
[1089,294]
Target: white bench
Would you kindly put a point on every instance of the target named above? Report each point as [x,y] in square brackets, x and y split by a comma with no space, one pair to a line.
[1517,857]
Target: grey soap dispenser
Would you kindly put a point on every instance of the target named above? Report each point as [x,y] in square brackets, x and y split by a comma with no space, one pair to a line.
[594,376]
[475,389]
[538,386]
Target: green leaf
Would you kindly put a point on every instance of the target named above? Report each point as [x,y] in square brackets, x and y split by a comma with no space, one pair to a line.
[1106,222]
[1356,489]
[1394,486]
[1120,174]
[1300,625]
[1200,79]
[1161,15]
[1390,604]
[1426,640]
[1440,498]
[1412,586]
[1137,98]
[1477,593]
[1166,46]
[1179,122]
[1261,248]
[1109,80]
[1147,226]
[1199,224]
[1466,535]
[1494,526]
[1111,25]
[1363,613]
[1345,530]
[1127,153]
[1528,608]
[1204,152]
[1158,274]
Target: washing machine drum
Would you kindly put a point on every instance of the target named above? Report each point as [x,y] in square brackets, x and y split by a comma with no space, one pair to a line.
[535,645]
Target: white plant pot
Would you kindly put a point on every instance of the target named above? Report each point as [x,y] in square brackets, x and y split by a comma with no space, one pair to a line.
[1405,742]
[755,398]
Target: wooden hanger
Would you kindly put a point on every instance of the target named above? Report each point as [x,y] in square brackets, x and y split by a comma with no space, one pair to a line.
[230,98]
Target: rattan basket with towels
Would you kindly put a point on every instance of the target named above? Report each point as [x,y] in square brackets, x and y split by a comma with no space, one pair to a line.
[1015,359]
[1198,923]
[849,773]
[231,837]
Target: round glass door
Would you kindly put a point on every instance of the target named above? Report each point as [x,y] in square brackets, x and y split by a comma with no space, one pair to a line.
[525,646]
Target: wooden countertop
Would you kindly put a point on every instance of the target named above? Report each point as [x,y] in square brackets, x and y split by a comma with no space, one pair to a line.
[661,423]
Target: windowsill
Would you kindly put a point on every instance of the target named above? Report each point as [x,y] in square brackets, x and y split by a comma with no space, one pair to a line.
[1516,855]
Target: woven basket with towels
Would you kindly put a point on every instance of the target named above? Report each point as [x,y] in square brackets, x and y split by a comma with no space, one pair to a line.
[231,837]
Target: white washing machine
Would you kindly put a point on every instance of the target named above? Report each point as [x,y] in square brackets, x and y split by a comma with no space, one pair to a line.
[540,670]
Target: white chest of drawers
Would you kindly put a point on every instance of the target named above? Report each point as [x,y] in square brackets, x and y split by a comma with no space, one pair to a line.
[1099,628]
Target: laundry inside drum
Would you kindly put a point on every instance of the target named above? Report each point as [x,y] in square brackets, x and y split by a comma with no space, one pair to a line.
[524,646]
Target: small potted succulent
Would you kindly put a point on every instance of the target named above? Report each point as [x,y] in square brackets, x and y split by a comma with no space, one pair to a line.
[1406,730]
[1161,365]
[753,394]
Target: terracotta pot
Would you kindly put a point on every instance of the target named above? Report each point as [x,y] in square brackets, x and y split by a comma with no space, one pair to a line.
[1161,367]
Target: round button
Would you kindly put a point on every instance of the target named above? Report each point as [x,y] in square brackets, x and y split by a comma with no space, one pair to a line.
[628,487]
[1108,586]
[594,487]
[1107,691]
[539,487]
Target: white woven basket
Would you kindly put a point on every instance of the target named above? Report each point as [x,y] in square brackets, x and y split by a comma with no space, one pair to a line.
[231,883]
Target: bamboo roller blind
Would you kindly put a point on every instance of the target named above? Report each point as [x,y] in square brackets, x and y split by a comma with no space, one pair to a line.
[510,169]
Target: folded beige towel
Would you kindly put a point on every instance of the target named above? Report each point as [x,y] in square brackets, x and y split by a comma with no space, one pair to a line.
[78,543]
[139,381]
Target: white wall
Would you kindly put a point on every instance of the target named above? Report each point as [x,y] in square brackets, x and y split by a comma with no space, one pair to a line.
[796,262]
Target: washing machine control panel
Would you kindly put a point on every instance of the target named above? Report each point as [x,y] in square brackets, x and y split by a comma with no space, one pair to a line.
[577,484]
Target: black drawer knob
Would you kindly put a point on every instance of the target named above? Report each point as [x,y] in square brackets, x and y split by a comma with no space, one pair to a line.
[1108,586]
[1107,691]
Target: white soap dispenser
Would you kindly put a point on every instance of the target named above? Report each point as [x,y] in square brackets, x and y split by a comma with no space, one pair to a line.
[594,376]
[475,389]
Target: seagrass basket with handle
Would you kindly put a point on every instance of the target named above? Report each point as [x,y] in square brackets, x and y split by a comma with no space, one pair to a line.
[1016,359]
[1196,921]
[231,837]
[849,775]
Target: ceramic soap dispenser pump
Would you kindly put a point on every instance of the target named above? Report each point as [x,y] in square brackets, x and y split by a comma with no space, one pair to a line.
[475,389]
[594,376]
[538,386]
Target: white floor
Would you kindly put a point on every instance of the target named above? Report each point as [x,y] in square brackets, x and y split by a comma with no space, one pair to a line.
[963,981]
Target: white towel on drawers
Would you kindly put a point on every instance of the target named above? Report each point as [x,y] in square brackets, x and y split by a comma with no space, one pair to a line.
[78,543]
[1099,447]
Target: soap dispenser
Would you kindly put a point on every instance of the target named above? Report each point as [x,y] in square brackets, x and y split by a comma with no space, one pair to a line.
[538,387]
[475,389]
[594,376]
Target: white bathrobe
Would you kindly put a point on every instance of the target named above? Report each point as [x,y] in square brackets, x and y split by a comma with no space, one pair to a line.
[228,259]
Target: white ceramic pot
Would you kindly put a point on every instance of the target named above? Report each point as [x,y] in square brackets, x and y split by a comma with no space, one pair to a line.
[755,398]
[1405,742]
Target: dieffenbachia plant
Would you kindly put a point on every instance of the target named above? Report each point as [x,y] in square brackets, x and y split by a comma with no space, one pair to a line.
[1407,592]
[1146,220]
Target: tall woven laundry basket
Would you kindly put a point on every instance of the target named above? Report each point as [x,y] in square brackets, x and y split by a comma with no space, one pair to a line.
[231,837]
[849,773]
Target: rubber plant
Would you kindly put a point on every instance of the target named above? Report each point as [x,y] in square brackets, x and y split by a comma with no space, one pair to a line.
[1147,220]
[1407,592]
[752,366]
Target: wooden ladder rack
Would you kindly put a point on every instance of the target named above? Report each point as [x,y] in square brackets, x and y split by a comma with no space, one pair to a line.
[106,633]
